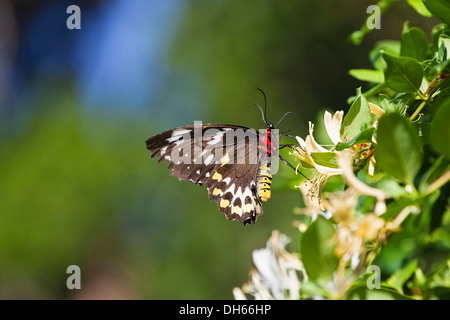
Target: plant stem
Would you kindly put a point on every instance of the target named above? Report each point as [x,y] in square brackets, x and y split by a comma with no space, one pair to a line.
[419,108]
[439,182]
[432,87]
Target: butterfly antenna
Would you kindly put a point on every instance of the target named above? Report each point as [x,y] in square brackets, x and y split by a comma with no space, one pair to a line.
[284,133]
[262,113]
[265,106]
[294,127]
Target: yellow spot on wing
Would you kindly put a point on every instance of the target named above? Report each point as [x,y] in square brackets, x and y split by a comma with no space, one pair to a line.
[225,160]
[237,210]
[248,207]
[217,176]
[216,192]
[224,203]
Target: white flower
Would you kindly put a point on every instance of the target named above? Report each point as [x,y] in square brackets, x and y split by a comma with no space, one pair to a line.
[238,294]
[333,125]
[312,189]
[309,146]
[277,271]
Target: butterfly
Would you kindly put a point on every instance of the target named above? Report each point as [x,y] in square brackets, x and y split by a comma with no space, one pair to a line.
[233,162]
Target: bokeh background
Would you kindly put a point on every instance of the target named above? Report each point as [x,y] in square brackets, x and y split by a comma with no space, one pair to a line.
[78,187]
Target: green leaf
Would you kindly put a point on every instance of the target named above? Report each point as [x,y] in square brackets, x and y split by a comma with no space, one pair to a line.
[430,66]
[403,99]
[398,279]
[440,132]
[414,43]
[419,7]
[442,52]
[380,87]
[327,159]
[391,187]
[444,47]
[391,47]
[445,40]
[437,31]
[399,147]
[441,237]
[386,103]
[317,250]
[358,115]
[368,75]
[360,291]
[424,85]
[395,207]
[439,8]
[363,137]
[403,74]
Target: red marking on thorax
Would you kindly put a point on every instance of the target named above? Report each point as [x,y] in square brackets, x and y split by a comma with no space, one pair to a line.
[266,142]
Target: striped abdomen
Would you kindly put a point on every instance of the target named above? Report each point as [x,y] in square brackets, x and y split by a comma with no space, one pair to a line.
[263,182]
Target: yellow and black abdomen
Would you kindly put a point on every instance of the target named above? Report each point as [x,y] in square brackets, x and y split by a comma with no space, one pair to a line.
[263,182]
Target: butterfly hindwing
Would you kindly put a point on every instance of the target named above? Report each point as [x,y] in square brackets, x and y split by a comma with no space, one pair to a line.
[228,167]
[233,187]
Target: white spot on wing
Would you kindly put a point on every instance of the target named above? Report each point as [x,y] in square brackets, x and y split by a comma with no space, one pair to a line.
[163,150]
[231,189]
[217,138]
[242,195]
[197,172]
[174,138]
[207,175]
[178,136]
[227,180]
[209,159]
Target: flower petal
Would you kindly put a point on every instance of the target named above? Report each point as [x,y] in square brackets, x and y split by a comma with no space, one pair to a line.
[376,110]
[333,125]
[301,142]
[311,144]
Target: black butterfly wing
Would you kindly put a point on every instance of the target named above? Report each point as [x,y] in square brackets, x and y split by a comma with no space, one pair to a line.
[216,158]
[191,155]
[233,185]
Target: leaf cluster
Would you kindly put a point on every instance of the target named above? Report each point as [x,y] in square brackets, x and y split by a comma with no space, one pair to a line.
[409,139]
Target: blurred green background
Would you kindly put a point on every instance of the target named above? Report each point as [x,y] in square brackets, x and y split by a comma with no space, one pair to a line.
[78,187]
